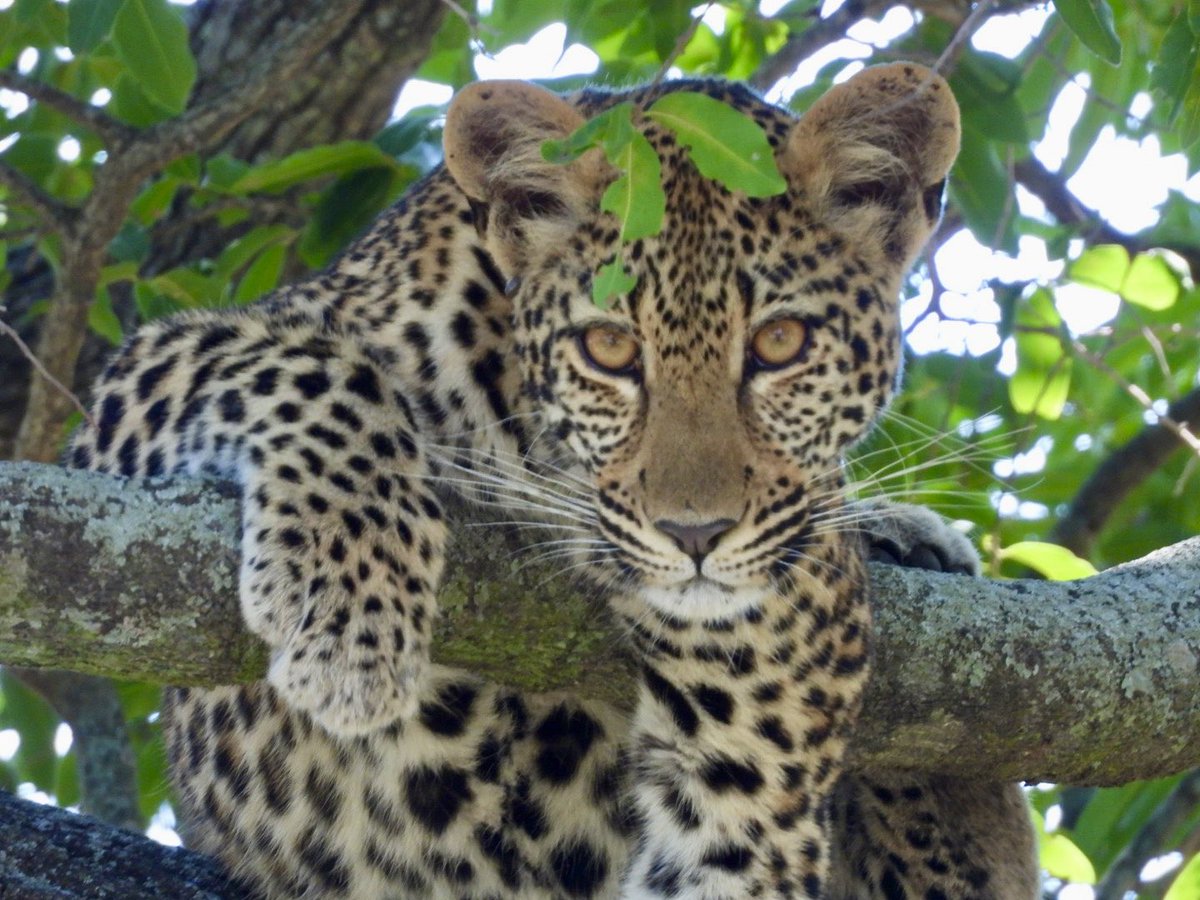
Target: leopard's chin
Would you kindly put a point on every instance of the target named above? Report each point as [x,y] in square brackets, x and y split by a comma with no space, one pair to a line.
[703,600]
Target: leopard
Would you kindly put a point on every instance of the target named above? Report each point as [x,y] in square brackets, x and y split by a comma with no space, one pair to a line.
[687,441]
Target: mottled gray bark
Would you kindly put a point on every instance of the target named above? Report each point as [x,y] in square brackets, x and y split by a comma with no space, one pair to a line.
[50,854]
[1095,681]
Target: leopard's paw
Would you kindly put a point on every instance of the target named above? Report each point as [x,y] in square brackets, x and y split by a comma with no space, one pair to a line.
[913,536]
[346,688]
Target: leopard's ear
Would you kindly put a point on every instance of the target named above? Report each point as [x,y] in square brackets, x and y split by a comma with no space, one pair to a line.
[493,146]
[874,153]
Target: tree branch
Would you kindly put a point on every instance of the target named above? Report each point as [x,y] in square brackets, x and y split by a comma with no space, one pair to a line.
[1123,470]
[1068,210]
[55,216]
[1124,873]
[48,853]
[801,45]
[107,770]
[112,131]
[1032,680]
[116,184]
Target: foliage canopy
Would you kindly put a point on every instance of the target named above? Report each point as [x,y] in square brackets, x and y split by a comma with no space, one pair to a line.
[1044,338]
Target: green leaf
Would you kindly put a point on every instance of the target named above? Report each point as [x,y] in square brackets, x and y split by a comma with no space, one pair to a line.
[1062,859]
[346,209]
[637,198]
[66,780]
[152,304]
[89,22]
[152,41]
[611,281]
[262,275]
[102,319]
[982,191]
[153,200]
[131,244]
[1048,560]
[612,130]
[725,145]
[1112,91]
[187,288]
[985,86]
[304,165]
[35,155]
[1103,266]
[1150,283]
[239,253]
[1092,23]
[29,714]
[404,134]
[1188,123]
[1043,376]
[131,103]
[117,272]
[1186,885]
[1175,68]
[223,171]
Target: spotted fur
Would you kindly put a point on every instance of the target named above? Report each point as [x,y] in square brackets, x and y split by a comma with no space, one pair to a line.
[700,488]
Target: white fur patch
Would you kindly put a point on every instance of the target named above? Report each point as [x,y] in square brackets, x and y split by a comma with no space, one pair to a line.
[703,599]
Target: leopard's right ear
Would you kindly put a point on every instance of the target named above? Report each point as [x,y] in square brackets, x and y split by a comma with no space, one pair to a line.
[493,146]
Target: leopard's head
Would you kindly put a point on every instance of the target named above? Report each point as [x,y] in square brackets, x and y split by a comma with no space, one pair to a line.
[708,409]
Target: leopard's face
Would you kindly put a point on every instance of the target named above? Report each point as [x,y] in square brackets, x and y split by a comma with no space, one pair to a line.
[707,411]
[710,407]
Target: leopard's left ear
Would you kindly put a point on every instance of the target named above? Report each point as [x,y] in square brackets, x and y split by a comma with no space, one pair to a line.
[493,146]
[874,153]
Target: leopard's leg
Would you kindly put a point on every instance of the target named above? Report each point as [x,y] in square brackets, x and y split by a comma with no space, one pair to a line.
[917,835]
[929,837]
[739,735]
[342,538]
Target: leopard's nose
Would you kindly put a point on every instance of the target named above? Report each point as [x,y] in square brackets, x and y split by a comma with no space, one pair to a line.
[697,541]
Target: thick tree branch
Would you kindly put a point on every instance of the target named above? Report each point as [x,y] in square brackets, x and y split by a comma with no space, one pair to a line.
[48,853]
[1093,682]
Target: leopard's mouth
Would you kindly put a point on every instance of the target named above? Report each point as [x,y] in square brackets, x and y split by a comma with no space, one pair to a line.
[702,599]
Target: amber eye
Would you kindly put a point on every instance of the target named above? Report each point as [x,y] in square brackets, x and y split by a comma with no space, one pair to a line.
[779,343]
[609,348]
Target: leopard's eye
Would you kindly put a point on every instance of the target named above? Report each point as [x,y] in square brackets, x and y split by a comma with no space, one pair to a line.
[609,349]
[779,343]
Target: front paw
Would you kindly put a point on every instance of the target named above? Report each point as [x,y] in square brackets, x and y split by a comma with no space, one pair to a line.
[912,536]
[348,688]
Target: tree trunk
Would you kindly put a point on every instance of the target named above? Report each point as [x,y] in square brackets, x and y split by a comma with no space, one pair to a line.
[347,94]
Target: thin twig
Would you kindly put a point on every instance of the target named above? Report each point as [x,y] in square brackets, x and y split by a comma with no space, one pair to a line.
[935,298]
[949,57]
[111,131]
[1179,429]
[474,26]
[798,47]
[681,43]
[7,329]
[54,214]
